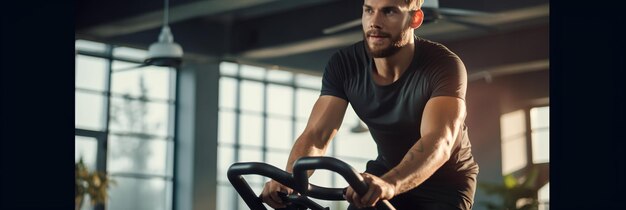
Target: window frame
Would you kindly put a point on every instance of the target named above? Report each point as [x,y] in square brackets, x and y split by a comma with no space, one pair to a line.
[102,136]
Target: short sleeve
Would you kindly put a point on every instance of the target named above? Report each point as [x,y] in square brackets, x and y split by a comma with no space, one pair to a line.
[333,78]
[450,78]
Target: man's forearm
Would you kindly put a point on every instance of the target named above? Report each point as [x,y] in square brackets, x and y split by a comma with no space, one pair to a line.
[303,147]
[420,162]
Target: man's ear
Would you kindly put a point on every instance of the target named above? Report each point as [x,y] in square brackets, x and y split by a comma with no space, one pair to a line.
[418,18]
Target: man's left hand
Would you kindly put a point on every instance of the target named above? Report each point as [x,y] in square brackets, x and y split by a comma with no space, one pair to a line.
[378,189]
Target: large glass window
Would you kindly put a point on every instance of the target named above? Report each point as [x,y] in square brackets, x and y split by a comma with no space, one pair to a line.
[522,128]
[86,148]
[513,135]
[261,113]
[540,128]
[90,110]
[91,73]
[543,196]
[125,123]
[525,135]
[540,135]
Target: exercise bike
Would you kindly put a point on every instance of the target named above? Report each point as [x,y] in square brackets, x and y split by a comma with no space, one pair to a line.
[299,182]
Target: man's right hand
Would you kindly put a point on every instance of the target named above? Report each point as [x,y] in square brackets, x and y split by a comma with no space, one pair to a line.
[270,195]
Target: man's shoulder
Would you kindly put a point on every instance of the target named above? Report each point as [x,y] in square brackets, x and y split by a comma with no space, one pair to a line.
[356,49]
[355,52]
[428,50]
[433,48]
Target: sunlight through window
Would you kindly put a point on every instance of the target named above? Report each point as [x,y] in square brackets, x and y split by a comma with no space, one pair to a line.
[513,128]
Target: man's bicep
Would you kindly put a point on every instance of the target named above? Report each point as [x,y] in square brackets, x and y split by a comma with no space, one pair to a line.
[443,115]
[327,115]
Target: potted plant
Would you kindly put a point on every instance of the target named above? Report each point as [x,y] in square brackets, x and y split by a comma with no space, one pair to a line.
[515,195]
[95,184]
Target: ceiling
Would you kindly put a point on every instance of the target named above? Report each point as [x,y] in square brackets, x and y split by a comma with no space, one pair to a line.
[288,33]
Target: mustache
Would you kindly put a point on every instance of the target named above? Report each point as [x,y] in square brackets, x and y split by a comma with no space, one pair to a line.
[374,32]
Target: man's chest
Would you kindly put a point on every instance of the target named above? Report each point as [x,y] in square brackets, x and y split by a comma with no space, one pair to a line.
[400,105]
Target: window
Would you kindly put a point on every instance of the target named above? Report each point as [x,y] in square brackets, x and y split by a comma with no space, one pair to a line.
[540,128]
[86,148]
[125,124]
[261,113]
[525,135]
[540,135]
[521,129]
[544,197]
[513,135]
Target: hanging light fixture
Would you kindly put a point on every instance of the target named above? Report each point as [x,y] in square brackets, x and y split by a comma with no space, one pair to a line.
[165,52]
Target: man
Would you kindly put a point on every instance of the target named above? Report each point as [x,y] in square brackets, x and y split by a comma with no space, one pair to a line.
[410,92]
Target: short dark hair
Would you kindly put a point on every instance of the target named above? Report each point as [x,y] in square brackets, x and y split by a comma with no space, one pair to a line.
[418,3]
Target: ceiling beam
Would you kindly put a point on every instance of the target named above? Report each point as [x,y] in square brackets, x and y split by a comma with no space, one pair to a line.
[304,46]
[517,68]
[154,19]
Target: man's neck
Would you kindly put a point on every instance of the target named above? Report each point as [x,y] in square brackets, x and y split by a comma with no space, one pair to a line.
[389,69]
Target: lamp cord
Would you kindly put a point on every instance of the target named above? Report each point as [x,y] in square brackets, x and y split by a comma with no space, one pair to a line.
[166,15]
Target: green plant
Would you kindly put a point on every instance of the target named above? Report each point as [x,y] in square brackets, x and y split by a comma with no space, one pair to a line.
[512,191]
[94,184]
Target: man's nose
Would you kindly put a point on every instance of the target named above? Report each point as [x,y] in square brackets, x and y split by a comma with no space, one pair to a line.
[376,20]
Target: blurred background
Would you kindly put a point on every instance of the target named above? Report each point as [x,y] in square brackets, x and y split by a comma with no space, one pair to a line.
[166,132]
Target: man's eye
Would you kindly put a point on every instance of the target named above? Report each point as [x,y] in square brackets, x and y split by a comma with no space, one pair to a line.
[389,12]
[369,11]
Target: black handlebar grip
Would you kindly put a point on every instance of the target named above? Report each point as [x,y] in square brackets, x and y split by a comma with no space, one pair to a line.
[235,176]
[302,165]
[351,175]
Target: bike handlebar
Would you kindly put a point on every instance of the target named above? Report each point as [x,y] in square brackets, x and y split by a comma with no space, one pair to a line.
[352,176]
[235,176]
[299,181]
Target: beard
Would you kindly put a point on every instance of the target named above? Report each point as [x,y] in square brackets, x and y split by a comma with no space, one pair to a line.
[397,42]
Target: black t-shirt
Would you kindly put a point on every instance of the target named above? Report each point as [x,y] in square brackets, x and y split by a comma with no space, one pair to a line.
[393,112]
